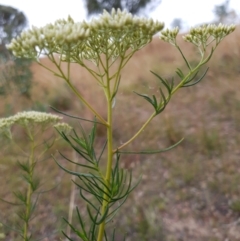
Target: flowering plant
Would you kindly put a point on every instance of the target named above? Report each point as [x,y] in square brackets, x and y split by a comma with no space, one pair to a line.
[109,42]
[34,125]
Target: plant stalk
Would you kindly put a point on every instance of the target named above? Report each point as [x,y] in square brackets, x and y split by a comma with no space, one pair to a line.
[72,197]
[109,160]
[29,192]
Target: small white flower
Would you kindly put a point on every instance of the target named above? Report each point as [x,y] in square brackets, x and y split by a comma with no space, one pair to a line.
[63,127]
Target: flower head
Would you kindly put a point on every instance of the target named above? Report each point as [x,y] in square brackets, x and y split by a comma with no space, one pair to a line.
[5,127]
[199,36]
[204,34]
[49,39]
[111,34]
[170,35]
[27,118]
[30,117]
[63,127]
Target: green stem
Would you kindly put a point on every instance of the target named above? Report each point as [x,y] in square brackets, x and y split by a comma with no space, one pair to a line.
[29,191]
[72,196]
[87,104]
[109,159]
[137,134]
[185,78]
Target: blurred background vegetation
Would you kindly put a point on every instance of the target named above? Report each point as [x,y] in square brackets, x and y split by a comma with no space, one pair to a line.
[15,74]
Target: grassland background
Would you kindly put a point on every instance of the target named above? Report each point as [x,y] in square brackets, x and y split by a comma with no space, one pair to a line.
[189,193]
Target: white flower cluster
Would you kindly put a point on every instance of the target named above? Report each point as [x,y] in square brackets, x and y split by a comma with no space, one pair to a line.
[111,34]
[200,35]
[48,39]
[124,21]
[27,118]
[63,127]
[170,35]
[5,125]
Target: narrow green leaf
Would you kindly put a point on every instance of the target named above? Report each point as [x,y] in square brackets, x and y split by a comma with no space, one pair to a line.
[192,78]
[113,235]
[104,146]
[209,56]
[101,182]
[85,137]
[19,231]
[81,222]
[67,236]
[81,235]
[78,174]
[161,106]
[116,90]
[95,190]
[33,207]
[75,117]
[115,211]
[93,230]
[105,235]
[187,63]
[21,196]
[91,191]
[15,204]
[82,143]
[35,184]
[197,81]
[81,152]
[164,82]
[146,97]
[172,85]
[87,200]
[24,166]
[79,164]
[92,135]
[155,102]
[179,73]
[97,222]
[152,151]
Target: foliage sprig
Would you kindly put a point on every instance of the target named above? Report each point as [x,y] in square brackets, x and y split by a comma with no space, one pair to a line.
[34,125]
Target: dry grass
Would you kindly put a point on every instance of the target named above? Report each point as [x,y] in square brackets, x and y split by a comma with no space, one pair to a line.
[189,193]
